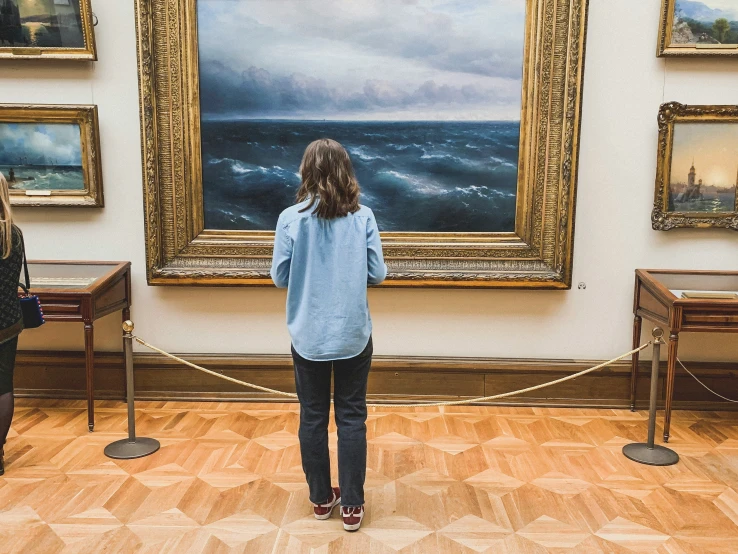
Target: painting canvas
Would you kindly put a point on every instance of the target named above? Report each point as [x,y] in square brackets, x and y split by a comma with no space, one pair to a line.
[705,22]
[424,94]
[704,167]
[41,24]
[41,157]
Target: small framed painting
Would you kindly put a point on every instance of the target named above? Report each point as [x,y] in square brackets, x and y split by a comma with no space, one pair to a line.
[697,167]
[703,28]
[50,155]
[42,29]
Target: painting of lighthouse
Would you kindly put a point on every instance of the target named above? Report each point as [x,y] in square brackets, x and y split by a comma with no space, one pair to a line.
[704,168]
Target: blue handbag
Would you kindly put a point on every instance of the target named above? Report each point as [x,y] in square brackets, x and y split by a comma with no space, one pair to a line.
[33,314]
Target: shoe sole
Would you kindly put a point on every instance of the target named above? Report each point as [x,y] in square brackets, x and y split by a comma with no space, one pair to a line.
[354,527]
[330,513]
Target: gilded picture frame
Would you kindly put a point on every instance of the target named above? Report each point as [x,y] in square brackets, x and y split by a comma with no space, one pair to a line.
[82,36]
[669,46]
[68,174]
[669,210]
[537,255]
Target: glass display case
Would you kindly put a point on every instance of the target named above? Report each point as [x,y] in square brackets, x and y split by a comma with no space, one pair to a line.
[68,275]
[697,285]
[80,291]
[682,301]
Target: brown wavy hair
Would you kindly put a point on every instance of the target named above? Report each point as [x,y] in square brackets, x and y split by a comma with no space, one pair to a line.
[328,180]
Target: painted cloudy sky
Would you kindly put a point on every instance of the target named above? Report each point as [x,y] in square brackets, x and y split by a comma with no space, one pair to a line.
[708,10]
[40,144]
[361,59]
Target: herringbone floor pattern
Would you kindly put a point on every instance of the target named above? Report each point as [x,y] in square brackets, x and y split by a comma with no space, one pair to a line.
[456,480]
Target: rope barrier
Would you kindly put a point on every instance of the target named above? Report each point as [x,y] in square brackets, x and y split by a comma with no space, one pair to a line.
[701,383]
[424,404]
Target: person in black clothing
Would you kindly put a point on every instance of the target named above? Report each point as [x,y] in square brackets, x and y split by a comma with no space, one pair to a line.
[11,318]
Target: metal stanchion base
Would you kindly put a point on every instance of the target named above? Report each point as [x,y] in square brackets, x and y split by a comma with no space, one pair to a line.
[656,456]
[126,450]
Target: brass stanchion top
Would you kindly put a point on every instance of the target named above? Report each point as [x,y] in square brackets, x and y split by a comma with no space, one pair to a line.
[128,326]
[658,335]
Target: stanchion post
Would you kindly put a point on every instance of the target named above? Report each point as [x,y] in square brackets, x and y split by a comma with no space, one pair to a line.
[128,357]
[648,452]
[132,447]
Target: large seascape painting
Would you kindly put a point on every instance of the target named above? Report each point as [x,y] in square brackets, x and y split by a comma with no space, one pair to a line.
[424,94]
[461,118]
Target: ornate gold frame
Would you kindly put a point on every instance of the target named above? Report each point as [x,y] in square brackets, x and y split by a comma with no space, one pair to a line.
[670,114]
[87,53]
[87,119]
[180,251]
[665,48]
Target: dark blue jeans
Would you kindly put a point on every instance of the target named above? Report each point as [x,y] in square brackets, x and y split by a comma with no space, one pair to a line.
[313,380]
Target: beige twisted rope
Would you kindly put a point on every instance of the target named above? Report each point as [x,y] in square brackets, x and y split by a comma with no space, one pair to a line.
[705,386]
[434,404]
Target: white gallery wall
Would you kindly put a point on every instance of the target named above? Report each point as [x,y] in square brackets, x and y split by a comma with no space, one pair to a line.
[623,87]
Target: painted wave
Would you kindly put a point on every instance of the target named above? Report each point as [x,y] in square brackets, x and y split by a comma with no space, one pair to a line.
[46,178]
[416,176]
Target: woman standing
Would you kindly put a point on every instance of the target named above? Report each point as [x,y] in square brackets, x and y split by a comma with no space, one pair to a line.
[11,319]
[327,250]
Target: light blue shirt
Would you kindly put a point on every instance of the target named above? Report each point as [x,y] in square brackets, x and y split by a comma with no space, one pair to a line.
[326,266]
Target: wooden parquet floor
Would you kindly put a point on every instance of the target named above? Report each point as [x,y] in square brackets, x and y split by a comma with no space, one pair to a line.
[457,480]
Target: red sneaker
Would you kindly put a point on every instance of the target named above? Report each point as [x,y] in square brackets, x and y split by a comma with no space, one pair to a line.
[352,517]
[324,511]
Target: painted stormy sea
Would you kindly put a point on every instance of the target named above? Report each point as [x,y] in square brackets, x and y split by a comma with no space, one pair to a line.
[424,98]
[413,181]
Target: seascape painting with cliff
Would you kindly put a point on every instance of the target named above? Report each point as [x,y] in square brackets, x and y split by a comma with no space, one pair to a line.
[704,168]
[424,94]
[705,22]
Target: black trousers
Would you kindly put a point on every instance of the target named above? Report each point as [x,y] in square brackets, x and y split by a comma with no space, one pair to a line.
[313,380]
[7,364]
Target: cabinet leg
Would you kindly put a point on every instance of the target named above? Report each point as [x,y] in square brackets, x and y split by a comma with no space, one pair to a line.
[634,362]
[670,374]
[90,374]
